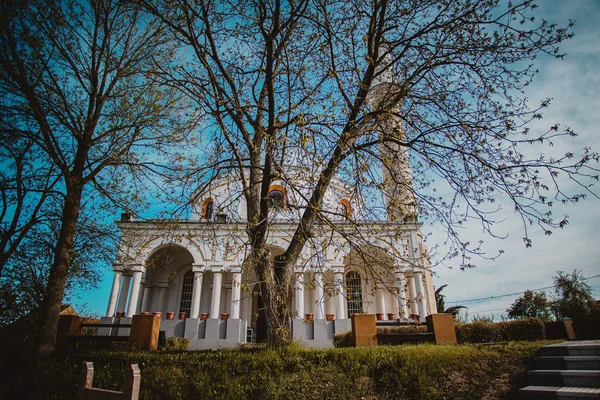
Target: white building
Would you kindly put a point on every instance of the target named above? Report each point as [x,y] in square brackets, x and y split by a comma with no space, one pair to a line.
[354,265]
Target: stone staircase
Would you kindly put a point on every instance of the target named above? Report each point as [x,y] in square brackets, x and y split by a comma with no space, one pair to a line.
[569,370]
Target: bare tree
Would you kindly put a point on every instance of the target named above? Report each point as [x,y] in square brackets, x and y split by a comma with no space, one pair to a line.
[80,94]
[343,88]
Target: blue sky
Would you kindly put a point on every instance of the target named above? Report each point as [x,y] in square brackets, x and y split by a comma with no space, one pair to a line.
[573,83]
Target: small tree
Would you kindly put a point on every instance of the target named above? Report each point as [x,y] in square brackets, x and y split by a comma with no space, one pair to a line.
[573,297]
[441,303]
[530,305]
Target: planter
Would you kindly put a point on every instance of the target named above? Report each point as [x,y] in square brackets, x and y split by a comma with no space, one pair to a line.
[156,313]
[329,317]
[182,315]
[391,316]
[120,314]
[414,316]
[171,315]
[145,313]
[309,317]
[224,316]
[380,316]
[203,316]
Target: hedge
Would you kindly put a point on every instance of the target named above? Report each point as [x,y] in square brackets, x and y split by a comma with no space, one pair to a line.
[386,372]
[486,332]
[344,339]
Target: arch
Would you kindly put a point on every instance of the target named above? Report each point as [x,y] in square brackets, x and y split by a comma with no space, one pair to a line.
[347,209]
[354,293]
[278,197]
[154,245]
[207,210]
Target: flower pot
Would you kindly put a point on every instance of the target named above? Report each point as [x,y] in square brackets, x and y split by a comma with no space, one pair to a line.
[145,313]
[329,317]
[224,316]
[182,315]
[171,315]
[309,317]
[391,316]
[380,316]
[120,314]
[203,316]
[414,316]
[157,313]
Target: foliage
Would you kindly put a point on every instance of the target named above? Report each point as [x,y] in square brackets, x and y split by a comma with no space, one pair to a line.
[530,305]
[177,343]
[385,372]
[488,332]
[441,303]
[573,297]
[343,339]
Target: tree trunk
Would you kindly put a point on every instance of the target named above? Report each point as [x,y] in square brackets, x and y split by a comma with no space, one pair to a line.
[55,288]
[274,290]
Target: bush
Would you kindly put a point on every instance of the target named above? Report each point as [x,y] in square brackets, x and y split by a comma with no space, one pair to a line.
[402,329]
[177,343]
[486,332]
[343,339]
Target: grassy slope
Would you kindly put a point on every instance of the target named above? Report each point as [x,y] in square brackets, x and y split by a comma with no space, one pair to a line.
[385,372]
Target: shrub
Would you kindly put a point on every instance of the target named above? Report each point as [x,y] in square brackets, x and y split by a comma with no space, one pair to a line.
[177,343]
[343,339]
[402,329]
[486,332]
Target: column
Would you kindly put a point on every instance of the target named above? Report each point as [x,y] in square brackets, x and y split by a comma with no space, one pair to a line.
[147,298]
[236,290]
[319,294]
[197,291]
[135,293]
[114,294]
[413,295]
[138,308]
[380,301]
[299,295]
[124,293]
[163,295]
[216,294]
[338,277]
[420,294]
[402,305]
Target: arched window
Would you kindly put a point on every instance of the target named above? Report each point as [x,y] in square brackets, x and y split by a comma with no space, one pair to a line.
[277,197]
[354,293]
[186,292]
[346,209]
[208,207]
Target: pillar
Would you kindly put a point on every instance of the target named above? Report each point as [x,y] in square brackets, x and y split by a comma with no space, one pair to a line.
[236,290]
[163,293]
[299,295]
[135,293]
[124,293]
[138,308]
[196,292]
[147,303]
[420,295]
[413,295]
[319,294]
[216,294]
[114,294]
[380,301]
[402,305]
[338,277]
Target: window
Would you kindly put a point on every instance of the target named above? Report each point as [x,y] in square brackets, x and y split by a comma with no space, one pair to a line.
[186,292]
[208,207]
[277,197]
[354,293]
[346,209]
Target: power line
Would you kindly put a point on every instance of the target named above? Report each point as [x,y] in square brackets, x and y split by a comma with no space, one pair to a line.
[510,294]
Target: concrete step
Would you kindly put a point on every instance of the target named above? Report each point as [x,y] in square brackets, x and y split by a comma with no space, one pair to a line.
[562,393]
[570,378]
[579,348]
[568,362]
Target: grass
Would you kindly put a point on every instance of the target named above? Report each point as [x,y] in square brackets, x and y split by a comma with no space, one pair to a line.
[422,371]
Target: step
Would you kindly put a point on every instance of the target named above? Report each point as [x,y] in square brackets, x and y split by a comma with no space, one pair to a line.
[577,348]
[562,393]
[571,378]
[568,362]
